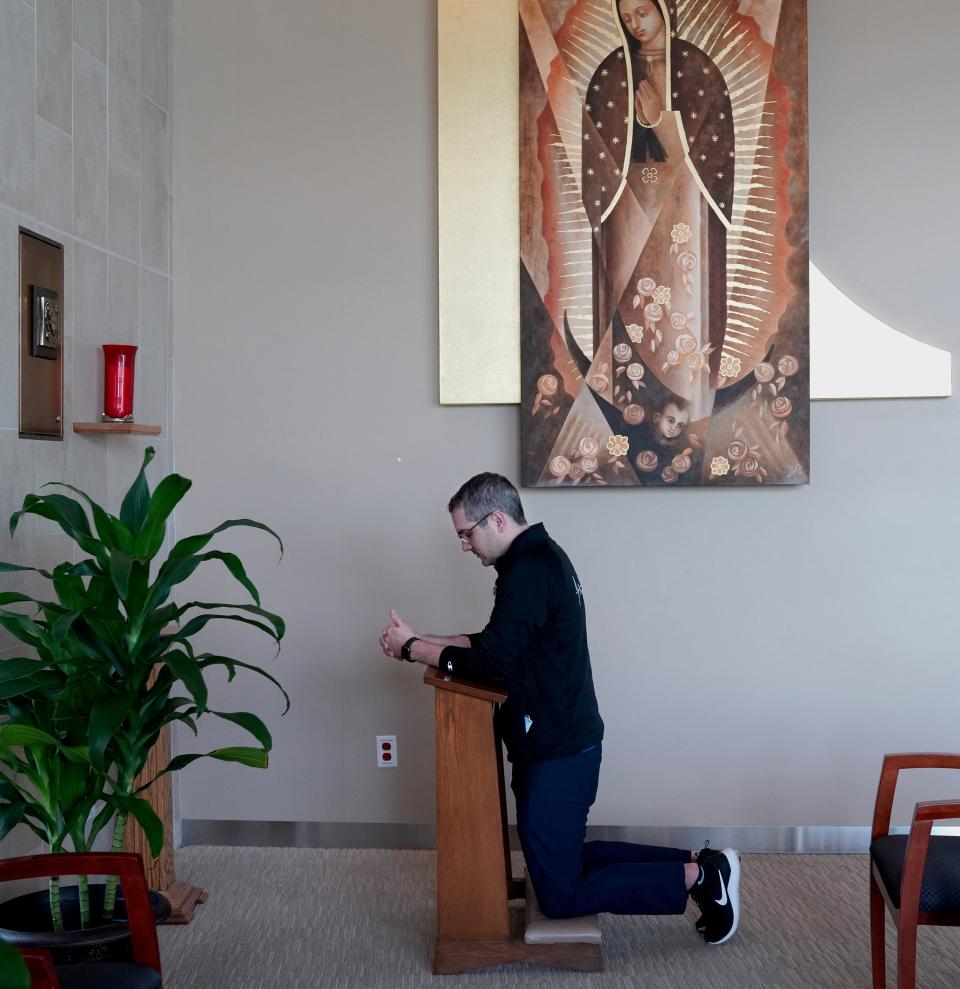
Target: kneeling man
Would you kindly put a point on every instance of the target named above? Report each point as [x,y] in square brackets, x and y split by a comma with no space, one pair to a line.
[535,646]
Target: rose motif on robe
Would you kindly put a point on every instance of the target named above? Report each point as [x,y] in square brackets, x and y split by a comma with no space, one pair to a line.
[764,372]
[547,384]
[622,352]
[646,286]
[781,406]
[589,446]
[559,466]
[633,415]
[647,461]
[737,450]
[788,366]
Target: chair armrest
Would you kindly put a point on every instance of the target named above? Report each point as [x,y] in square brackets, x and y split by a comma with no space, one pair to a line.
[39,961]
[918,843]
[936,810]
[889,772]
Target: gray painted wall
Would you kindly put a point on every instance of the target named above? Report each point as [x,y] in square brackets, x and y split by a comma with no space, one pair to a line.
[85,160]
[755,652]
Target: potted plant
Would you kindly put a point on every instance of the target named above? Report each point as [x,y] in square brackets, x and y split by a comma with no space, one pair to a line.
[112,664]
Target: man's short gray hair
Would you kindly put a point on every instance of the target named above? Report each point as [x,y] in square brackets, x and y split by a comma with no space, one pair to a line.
[486,493]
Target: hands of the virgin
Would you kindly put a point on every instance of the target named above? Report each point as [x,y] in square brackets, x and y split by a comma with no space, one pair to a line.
[648,104]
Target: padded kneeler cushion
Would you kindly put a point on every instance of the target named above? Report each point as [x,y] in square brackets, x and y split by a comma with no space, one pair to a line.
[541,929]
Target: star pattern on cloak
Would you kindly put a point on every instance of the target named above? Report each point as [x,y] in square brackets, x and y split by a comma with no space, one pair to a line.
[701,96]
[606,120]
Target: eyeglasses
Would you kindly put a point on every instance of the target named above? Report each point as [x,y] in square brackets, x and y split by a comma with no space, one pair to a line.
[464,536]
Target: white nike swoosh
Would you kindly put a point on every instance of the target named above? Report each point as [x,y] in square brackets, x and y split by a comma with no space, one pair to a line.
[723,899]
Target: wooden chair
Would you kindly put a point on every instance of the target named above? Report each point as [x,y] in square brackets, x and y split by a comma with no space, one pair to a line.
[144,971]
[916,877]
[43,974]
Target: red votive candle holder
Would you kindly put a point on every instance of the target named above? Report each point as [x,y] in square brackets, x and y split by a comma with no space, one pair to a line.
[118,363]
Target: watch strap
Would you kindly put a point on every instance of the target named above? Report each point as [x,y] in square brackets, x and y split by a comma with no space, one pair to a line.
[405,648]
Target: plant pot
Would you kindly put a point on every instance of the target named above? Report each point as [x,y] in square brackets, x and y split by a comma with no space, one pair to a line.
[25,922]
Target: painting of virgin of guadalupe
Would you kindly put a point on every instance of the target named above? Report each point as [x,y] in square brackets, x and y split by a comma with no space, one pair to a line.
[663,192]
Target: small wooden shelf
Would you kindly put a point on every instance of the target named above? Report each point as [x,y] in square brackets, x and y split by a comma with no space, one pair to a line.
[135,428]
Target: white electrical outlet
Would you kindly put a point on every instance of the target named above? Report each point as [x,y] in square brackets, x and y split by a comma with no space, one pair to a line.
[386,751]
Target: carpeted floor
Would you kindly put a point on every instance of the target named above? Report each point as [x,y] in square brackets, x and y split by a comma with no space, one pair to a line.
[289,918]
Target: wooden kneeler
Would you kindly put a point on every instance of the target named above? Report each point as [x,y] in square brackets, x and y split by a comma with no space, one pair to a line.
[474,877]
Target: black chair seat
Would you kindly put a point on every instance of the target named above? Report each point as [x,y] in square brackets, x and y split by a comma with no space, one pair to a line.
[940,889]
[107,975]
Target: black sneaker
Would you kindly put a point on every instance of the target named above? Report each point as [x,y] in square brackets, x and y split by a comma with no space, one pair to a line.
[717,893]
[704,853]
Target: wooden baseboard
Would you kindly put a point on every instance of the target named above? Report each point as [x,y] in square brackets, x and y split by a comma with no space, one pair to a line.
[183,899]
[451,957]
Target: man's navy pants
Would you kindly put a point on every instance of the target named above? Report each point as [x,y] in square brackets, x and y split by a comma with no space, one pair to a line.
[573,877]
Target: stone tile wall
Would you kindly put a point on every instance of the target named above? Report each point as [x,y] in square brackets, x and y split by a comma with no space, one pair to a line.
[85,160]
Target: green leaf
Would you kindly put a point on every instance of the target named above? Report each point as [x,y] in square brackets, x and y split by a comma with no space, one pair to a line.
[120,566]
[276,632]
[105,718]
[251,723]
[66,512]
[147,819]
[17,734]
[176,570]
[18,668]
[245,755]
[208,659]
[17,688]
[22,628]
[184,668]
[14,973]
[110,529]
[193,544]
[167,496]
[61,626]
[10,816]
[136,502]
[12,597]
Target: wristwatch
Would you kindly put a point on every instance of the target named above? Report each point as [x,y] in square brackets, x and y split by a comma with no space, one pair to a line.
[405,649]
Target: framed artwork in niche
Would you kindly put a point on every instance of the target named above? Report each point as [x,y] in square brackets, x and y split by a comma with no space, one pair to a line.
[663,242]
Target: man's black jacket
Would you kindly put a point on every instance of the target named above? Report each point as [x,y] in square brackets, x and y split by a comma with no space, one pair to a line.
[535,645]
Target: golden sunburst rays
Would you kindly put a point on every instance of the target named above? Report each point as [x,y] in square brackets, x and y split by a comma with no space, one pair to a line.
[745,67]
